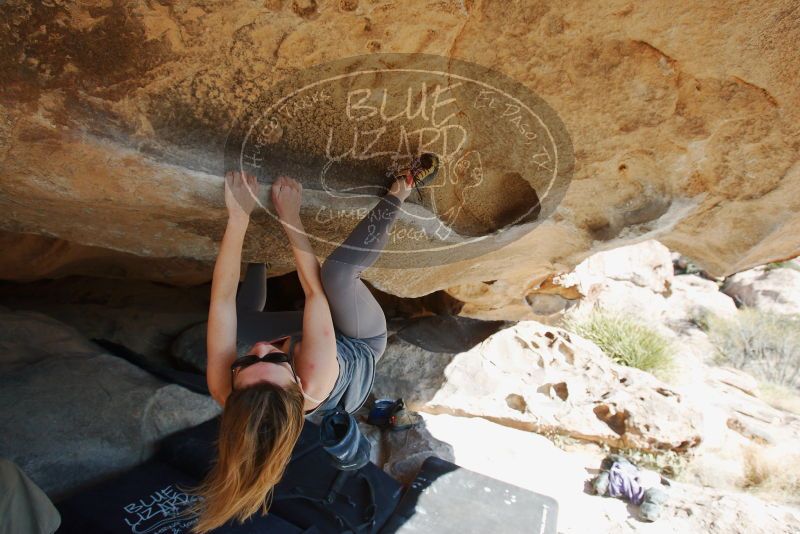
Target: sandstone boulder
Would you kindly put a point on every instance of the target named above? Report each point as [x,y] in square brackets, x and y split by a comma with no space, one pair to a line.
[29,257]
[543,379]
[771,289]
[735,378]
[647,265]
[637,281]
[692,298]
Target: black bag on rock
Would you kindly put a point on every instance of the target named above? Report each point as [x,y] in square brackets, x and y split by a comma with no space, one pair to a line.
[343,441]
[315,493]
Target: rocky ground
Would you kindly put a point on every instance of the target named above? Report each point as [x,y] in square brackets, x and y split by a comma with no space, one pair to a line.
[532,461]
[710,427]
[527,402]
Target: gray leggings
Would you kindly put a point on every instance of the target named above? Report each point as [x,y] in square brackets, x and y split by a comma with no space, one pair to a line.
[354,310]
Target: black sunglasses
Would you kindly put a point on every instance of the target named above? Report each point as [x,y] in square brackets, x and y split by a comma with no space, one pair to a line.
[250,359]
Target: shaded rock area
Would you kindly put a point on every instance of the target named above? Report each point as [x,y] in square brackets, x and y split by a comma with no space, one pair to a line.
[72,414]
[189,347]
[463,333]
[114,119]
[411,372]
[166,324]
[143,316]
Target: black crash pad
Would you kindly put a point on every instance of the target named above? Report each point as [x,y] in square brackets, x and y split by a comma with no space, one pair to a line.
[313,496]
[447,499]
[148,499]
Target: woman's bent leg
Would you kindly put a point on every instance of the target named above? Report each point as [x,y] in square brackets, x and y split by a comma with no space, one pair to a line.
[253,324]
[252,294]
[354,310]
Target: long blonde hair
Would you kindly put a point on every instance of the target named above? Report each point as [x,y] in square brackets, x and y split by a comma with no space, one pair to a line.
[258,429]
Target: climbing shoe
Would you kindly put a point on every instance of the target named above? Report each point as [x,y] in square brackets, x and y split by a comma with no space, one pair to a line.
[392,415]
[421,172]
[404,420]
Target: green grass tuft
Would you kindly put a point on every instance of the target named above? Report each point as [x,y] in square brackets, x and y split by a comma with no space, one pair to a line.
[626,341]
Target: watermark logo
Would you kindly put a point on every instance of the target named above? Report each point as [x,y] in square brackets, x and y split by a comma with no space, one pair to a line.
[345,129]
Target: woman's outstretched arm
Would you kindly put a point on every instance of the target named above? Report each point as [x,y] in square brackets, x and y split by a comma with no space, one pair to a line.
[316,363]
[221,339]
[287,197]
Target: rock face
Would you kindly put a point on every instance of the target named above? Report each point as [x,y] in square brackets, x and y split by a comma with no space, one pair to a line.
[543,379]
[114,117]
[637,281]
[691,297]
[776,290]
[99,414]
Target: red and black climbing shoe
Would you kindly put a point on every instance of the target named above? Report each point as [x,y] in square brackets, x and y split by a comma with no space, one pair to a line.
[393,415]
[422,171]
[404,420]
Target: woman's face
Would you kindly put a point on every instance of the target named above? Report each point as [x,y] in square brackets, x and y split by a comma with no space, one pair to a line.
[277,373]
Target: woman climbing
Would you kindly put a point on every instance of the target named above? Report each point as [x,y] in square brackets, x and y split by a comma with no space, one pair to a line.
[299,362]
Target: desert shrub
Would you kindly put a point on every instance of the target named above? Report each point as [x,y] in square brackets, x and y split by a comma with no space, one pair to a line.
[625,340]
[763,343]
[780,397]
[773,470]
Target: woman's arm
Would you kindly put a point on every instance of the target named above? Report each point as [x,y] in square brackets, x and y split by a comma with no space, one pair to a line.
[221,338]
[316,363]
[287,196]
